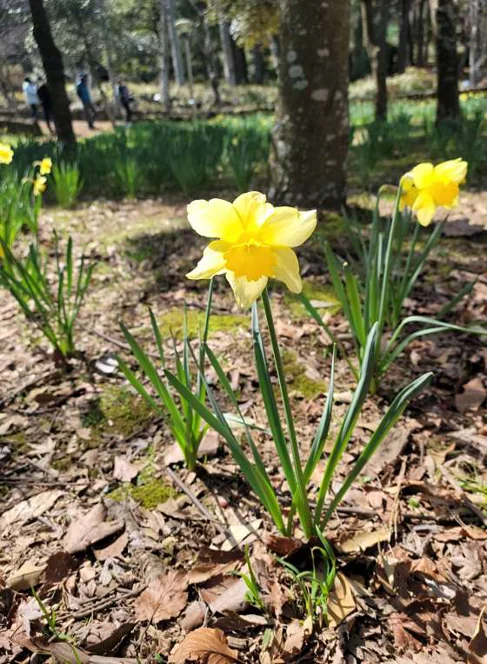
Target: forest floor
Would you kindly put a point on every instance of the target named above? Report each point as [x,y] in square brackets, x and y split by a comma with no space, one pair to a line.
[133,551]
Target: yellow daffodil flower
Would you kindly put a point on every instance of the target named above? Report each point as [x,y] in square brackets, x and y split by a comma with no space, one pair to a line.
[39,185]
[428,187]
[6,153]
[45,165]
[255,242]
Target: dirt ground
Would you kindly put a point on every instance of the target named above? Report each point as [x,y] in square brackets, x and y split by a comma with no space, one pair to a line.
[134,552]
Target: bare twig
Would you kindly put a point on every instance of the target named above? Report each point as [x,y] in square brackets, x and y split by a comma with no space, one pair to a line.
[197,503]
[103,604]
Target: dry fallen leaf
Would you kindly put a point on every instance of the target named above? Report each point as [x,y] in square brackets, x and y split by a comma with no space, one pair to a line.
[472,397]
[89,529]
[208,447]
[27,576]
[124,470]
[29,509]
[341,601]
[296,635]
[363,540]
[240,532]
[113,550]
[477,649]
[194,616]
[226,593]
[206,646]
[165,598]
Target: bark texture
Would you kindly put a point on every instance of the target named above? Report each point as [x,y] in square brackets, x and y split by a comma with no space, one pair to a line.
[54,69]
[448,100]
[310,138]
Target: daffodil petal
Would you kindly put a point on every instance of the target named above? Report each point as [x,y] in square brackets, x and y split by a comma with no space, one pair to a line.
[454,169]
[246,292]
[287,227]
[286,269]
[253,209]
[212,263]
[422,174]
[215,218]
[424,208]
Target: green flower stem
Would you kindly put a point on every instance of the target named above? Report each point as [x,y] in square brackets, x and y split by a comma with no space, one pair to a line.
[303,509]
[388,263]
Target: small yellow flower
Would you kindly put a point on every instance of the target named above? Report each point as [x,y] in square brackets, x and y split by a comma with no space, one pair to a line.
[428,187]
[39,185]
[255,242]
[6,153]
[45,165]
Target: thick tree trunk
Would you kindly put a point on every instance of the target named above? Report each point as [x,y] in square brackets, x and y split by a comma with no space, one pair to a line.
[448,100]
[163,35]
[240,60]
[228,53]
[404,48]
[54,69]
[176,52]
[478,40]
[310,138]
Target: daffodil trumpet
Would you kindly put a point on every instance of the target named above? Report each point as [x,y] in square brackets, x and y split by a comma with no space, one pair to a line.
[390,264]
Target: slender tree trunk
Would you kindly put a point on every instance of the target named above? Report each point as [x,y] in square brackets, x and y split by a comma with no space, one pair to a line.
[382,62]
[228,53]
[211,62]
[177,56]
[258,61]
[54,69]
[274,48]
[164,55]
[375,39]
[404,48]
[310,138]
[448,100]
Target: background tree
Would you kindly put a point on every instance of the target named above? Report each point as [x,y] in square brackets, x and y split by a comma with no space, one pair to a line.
[448,99]
[375,22]
[478,40]
[54,69]
[310,139]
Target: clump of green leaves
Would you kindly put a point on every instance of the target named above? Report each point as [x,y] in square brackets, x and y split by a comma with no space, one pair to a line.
[50,296]
[373,288]
[298,469]
[67,183]
[185,421]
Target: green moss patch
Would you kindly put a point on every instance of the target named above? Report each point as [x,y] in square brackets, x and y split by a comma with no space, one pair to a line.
[117,410]
[298,380]
[149,495]
[172,322]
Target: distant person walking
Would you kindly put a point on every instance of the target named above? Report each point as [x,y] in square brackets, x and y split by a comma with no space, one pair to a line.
[83,93]
[46,102]
[31,97]
[125,99]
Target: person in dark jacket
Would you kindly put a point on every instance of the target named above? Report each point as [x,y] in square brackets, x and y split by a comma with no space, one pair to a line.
[46,103]
[83,93]
[125,99]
